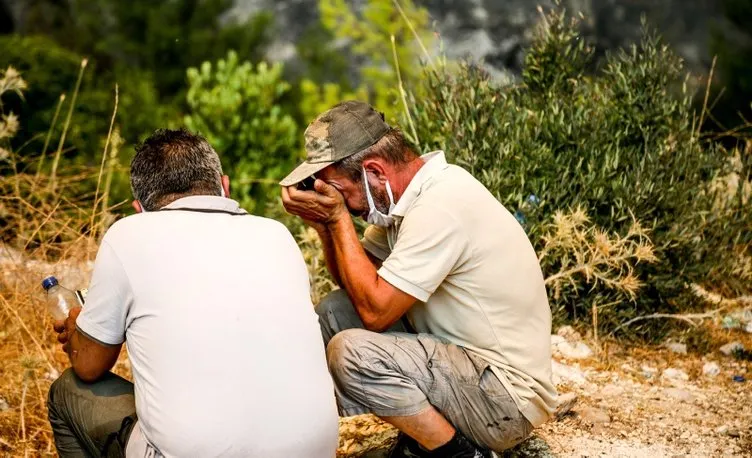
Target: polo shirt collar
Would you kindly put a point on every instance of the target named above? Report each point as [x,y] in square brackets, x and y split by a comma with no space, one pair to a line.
[215,203]
[434,162]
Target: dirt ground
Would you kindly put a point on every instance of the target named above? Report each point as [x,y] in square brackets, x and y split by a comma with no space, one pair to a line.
[627,406]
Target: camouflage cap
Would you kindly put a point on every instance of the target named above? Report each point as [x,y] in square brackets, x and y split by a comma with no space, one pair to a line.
[346,129]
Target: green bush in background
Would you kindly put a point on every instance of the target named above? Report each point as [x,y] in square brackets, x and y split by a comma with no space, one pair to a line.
[622,144]
[239,108]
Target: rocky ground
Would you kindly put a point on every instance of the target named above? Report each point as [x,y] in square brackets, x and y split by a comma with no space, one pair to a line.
[656,402]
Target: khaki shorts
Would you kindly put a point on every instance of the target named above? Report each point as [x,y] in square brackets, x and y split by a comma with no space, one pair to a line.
[397,373]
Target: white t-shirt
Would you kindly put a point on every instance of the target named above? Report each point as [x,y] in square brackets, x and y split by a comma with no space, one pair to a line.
[475,275]
[227,355]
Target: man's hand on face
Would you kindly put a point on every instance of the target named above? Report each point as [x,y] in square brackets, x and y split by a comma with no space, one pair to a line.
[320,207]
[65,328]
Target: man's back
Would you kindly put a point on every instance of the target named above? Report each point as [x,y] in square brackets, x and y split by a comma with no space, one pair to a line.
[225,346]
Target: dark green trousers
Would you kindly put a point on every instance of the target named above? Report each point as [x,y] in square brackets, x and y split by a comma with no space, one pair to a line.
[91,419]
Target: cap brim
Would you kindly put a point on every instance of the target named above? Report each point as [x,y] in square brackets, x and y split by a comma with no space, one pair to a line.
[303,171]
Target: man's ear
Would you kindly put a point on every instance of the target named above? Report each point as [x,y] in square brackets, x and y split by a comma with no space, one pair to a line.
[137,206]
[226,185]
[377,167]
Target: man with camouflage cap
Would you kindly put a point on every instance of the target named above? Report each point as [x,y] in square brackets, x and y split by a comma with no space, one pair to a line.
[442,324]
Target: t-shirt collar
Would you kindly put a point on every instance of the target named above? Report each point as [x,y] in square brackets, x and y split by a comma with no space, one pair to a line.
[206,203]
[434,162]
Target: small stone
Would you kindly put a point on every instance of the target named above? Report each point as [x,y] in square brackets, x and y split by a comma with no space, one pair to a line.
[723,429]
[569,333]
[675,375]
[711,369]
[676,347]
[733,432]
[611,391]
[567,350]
[679,395]
[732,347]
[52,374]
[4,405]
[648,372]
[594,415]
[564,404]
[566,374]
[748,327]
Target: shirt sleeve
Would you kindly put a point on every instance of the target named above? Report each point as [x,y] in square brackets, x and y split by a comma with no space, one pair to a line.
[429,247]
[375,242]
[105,311]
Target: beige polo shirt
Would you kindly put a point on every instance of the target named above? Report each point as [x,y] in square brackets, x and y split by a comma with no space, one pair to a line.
[476,277]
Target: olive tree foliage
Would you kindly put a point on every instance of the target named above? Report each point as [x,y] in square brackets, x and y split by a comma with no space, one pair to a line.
[239,107]
[621,144]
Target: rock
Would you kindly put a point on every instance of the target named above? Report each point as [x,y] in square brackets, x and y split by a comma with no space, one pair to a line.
[52,374]
[748,327]
[648,372]
[534,446]
[568,350]
[679,395]
[569,334]
[711,369]
[564,404]
[611,391]
[676,347]
[4,405]
[593,415]
[733,432]
[730,348]
[723,429]
[563,374]
[674,375]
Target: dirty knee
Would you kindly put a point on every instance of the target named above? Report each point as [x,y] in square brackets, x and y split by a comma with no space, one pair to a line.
[345,354]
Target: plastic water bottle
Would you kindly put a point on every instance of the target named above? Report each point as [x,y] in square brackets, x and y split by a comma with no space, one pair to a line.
[59,299]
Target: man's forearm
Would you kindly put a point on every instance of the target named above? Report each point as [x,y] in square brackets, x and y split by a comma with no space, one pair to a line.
[357,273]
[329,254]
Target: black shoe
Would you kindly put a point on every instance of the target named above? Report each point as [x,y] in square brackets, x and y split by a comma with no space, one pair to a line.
[407,447]
[458,447]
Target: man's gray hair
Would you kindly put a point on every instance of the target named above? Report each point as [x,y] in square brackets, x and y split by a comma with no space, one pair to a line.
[171,164]
[393,147]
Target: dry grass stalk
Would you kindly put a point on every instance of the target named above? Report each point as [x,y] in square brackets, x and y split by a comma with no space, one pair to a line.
[586,252]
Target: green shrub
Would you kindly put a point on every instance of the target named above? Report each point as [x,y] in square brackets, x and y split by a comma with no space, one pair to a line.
[239,108]
[620,143]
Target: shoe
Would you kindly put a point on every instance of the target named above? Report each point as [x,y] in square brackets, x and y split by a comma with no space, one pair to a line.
[407,447]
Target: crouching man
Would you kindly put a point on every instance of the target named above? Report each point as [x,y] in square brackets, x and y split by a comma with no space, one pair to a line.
[213,305]
[442,324]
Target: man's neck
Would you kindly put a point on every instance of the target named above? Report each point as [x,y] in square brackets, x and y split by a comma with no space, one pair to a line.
[405,176]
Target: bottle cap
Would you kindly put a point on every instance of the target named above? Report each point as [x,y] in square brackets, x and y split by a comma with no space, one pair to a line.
[49,282]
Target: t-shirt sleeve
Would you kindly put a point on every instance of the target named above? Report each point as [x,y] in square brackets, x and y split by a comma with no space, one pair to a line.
[105,311]
[375,242]
[430,245]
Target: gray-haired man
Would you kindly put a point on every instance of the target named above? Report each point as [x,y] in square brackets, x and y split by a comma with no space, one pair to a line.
[214,307]
[442,253]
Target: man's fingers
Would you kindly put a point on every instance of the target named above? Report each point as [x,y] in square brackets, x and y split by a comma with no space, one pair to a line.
[322,187]
[59,326]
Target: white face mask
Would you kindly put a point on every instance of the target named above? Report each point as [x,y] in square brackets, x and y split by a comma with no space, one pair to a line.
[375,217]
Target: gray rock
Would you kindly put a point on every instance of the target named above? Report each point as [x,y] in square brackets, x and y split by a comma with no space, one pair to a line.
[711,369]
[676,347]
[648,372]
[593,415]
[611,391]
[564,404]
[4,405]
[569,334]
[679,395]
[569,350]
[533,447]
[730,348]
[563,374]
[675,375]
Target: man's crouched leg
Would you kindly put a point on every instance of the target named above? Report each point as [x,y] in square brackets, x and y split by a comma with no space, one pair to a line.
[91,419]
[398,374]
